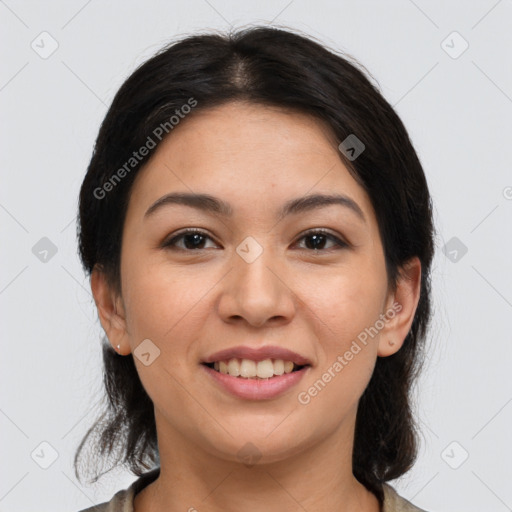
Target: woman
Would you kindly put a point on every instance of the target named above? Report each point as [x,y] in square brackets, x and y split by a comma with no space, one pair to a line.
[258,232]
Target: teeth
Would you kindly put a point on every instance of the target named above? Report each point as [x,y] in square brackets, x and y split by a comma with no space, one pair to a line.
[265,369]
[288,366]
[249,369]
[233,368]
[279,367]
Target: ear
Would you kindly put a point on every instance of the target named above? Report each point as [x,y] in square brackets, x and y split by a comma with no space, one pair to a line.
[110,311]
[400,308]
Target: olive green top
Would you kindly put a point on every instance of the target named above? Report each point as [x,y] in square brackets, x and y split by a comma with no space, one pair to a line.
[122,501]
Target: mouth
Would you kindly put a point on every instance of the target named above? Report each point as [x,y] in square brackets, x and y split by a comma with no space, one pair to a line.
[255,380]
[256,370]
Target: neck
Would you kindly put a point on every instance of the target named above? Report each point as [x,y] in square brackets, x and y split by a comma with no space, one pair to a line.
[316,478]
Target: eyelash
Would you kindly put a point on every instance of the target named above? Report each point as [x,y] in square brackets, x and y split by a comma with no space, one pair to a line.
[171,244]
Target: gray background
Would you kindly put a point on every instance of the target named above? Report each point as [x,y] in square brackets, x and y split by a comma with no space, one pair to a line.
[456,105]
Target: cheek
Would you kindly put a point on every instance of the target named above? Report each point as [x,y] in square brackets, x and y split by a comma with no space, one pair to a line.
[344,303]
[337,388]
[347,354]
[163,303]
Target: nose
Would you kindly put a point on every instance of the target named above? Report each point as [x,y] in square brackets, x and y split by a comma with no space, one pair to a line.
[257,292]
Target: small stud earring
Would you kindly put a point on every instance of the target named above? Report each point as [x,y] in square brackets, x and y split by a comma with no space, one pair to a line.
[118,348]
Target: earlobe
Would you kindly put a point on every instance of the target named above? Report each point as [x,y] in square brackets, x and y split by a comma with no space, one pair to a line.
[403,302]
[110,312]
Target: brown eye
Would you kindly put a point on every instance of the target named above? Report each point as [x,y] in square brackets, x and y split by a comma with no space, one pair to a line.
[319,238]
[192,240]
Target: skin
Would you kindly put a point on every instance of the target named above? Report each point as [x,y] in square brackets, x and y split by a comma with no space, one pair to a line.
[191,304]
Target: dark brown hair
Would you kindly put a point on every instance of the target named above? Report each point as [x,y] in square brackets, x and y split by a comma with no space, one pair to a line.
[280,68]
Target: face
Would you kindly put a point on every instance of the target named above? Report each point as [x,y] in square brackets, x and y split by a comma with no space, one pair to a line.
[310,281]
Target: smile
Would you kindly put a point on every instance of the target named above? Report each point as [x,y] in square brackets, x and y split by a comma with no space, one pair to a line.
[248,369]
[248,384]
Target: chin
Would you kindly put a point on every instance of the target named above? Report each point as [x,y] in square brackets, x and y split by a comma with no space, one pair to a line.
[258,447]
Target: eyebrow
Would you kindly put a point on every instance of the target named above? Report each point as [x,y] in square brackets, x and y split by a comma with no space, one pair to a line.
[216,206]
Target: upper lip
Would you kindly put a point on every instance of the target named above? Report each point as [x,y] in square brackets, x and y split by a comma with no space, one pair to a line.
[258,354]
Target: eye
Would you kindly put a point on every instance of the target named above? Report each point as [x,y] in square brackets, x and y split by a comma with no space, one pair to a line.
[193,239]
[318,238]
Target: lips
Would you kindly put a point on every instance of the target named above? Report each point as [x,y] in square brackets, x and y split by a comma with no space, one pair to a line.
[258,387]
[255,389]
[258,354]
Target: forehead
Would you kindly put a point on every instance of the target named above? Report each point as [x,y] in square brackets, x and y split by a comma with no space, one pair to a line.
[258,130]
[248,155]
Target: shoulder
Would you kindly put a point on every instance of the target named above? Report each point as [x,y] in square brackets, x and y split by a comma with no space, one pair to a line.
[122,501]
[393,502]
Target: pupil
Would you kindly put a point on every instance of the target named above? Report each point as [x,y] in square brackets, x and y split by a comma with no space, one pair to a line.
[197,240]
[318,239]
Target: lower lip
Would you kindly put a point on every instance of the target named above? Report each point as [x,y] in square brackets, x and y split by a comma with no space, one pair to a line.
[257,389]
